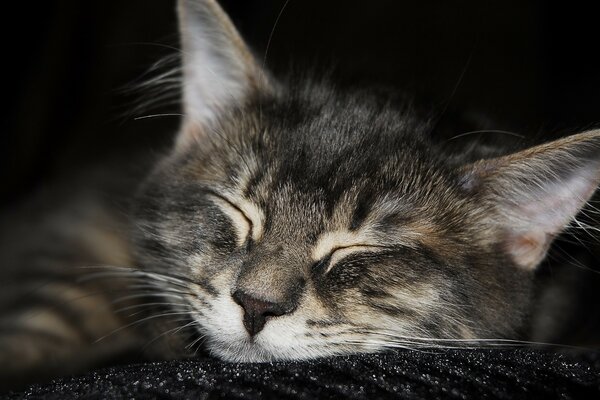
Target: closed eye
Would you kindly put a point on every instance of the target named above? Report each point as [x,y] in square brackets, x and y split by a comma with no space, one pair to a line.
[339,253]
[241,223]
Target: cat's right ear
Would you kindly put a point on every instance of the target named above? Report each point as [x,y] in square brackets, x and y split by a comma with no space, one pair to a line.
[219,71]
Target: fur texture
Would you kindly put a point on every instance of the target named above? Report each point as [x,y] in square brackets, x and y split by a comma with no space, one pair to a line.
[294,220]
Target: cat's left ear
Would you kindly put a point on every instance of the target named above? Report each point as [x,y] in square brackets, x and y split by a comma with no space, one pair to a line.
[219,71]
[532,195]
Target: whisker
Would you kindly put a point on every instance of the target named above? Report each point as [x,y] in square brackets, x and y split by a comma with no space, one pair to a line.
[482,342]
[167,314]
[158,115]
[171,331]
[199,344]
[133,307]
[147,294]
[487,131]
[189,346]
[170,278]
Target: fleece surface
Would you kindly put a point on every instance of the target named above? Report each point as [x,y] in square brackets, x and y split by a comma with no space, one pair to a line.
[452,374]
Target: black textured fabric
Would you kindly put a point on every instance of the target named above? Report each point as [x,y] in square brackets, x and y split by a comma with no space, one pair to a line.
[457,374]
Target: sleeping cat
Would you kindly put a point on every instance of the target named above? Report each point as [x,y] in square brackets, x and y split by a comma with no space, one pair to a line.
[290,220]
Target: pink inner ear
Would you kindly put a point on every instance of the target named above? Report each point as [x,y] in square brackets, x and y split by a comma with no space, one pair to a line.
[551,206]
[528,249]
[540,212]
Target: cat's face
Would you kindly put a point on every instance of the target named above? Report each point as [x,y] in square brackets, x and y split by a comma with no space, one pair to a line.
[310,223]
[340,217]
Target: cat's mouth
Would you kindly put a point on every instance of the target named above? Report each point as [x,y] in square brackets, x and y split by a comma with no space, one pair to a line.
[225,336]
[238,346]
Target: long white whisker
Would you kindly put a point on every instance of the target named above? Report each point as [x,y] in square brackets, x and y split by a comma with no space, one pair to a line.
[171,331]
[140,321]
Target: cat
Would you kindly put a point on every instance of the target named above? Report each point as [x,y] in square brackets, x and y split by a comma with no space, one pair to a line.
[289,220]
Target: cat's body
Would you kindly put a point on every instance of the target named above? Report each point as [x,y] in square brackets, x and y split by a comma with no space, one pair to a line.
[289,221]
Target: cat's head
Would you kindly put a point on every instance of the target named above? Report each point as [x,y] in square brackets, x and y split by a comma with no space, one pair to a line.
[308,222]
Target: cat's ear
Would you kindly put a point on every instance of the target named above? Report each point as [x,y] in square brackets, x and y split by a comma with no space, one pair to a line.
[534,194]
[219,71]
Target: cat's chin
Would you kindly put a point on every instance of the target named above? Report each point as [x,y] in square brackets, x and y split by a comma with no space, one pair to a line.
[244,353]
[247,352]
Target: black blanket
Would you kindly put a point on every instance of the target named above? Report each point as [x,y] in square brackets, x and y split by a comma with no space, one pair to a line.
[456,374]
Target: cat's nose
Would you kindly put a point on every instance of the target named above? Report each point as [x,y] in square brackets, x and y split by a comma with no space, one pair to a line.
[256,311]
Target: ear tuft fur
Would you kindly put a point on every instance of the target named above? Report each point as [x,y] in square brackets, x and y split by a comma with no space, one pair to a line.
[534,194]
[219,71]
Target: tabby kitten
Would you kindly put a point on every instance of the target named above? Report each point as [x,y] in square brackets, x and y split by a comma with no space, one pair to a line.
[292,221]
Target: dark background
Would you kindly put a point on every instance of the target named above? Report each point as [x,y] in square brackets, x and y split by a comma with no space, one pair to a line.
[533,65]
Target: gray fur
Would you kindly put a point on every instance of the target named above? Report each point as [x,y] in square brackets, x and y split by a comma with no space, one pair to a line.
[340,214]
